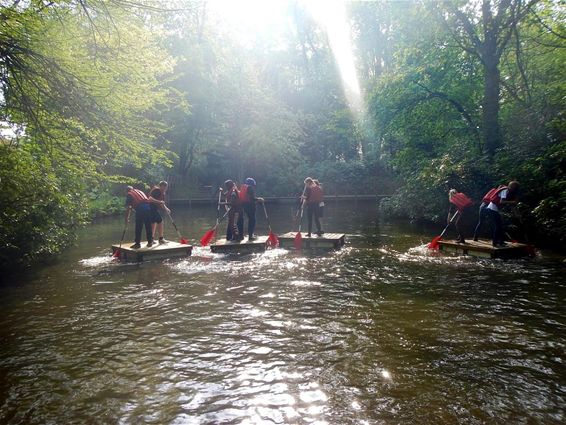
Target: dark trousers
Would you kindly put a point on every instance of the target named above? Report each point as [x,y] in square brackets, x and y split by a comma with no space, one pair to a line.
[249,209]
[314,210]
[481,218]
[143,218]
[497,226]
[460,236]
[232,231]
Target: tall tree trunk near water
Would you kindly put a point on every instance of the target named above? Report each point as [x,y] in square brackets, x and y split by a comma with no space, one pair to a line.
[490,57]
[486,37]
[490,109]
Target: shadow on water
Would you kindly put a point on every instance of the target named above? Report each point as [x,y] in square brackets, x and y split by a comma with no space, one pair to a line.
[382,331]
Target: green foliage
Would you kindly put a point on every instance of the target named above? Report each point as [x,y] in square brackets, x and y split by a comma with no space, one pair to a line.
[427,108]
[40,209]
[105,92]
[80,85]
[276,114]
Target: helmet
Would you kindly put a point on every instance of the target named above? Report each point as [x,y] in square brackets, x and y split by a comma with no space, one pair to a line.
[250,182]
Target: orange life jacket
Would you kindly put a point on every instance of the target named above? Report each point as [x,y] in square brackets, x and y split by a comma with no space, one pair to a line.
[493,195]
[461,201]
[138,198]
[315,195]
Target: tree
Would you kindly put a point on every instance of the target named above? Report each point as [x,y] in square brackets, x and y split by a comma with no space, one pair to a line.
[485,31]
[78,84]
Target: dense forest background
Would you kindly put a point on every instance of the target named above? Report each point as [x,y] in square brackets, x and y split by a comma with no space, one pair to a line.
[403,97]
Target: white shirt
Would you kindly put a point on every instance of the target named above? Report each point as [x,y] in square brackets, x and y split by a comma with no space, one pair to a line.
[502,195]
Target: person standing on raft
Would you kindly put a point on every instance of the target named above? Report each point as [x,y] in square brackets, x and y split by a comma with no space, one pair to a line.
[314,198]
[248,199]
[138,201]
[157,198]
[491,202]
[232,199]
[458,203]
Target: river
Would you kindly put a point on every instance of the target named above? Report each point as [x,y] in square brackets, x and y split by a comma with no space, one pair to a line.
[381,331]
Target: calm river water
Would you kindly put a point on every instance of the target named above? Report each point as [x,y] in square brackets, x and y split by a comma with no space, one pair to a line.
[379,332]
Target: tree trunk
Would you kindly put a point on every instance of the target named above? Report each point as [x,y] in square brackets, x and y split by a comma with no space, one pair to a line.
[490,108]
[490,59]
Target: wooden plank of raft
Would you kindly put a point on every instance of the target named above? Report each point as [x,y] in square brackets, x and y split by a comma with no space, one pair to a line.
[156,252]
[326,241]
[485,249]
[243,247]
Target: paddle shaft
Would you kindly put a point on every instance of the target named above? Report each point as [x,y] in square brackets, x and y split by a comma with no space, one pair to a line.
[174,225]
[221,220]
[302,208]
[117,253]
[266,217]
[125,228]
[449,223]
[218,207]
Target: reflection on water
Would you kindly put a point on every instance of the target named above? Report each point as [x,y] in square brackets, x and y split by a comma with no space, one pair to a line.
[382,331]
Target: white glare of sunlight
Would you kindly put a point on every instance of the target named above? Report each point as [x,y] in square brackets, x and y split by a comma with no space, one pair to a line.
[332,16]
[250,19]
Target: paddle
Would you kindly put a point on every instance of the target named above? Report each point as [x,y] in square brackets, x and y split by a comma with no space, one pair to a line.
[298,241]
[182,240]
[510,238]
[272,240]
[116,253]
[205,240]
[434,243]
[207,237]
[530,248]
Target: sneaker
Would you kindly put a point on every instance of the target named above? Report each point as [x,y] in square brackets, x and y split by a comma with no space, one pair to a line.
[252,238]
[150,244]
[475,239]
[319,233]
[136,246]
[162,241]
[308,235]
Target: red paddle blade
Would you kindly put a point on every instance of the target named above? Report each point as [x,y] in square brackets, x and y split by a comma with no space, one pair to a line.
[116,254]
[205,240]
[434,243]
[184,241]
[272,240]
[298,242]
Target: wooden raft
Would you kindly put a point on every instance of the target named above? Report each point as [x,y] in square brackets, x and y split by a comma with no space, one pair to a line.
[485,249]
[222,246]
[156,252]
[326,241]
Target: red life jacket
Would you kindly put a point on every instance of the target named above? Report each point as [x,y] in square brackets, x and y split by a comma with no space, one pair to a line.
[244,196]
[315,195]
[493,195]
[138,197]
[461,201]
